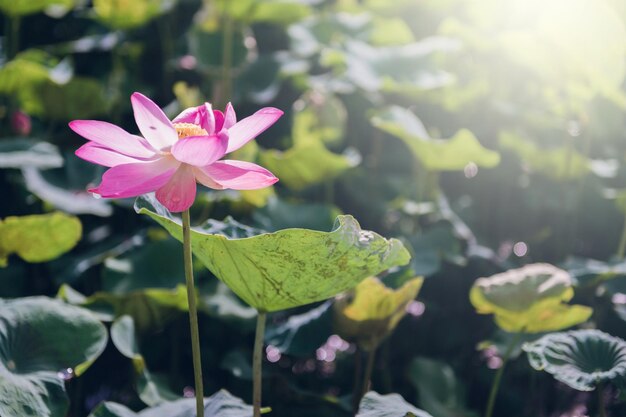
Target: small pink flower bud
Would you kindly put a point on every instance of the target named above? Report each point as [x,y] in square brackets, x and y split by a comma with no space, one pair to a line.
[20,123]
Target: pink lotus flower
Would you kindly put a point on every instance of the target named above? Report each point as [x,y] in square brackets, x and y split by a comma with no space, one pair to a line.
[172,155]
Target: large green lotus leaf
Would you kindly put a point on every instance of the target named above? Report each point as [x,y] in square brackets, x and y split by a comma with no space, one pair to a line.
[150,308]
[373,311]
[306,164]
[558,163]
[582,359]
[26,7]
[288,268]
[392,405]
[530,299]
[128,14]
[302,333]
[39,337]
[151,390]
[39,237]
[220,404]
[20,152]
[435,154]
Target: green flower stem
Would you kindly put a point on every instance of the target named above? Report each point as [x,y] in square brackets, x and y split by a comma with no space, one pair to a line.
[496,382]
[601,406]
[257,363]
[358,369]
[12,36]
[621,249]
[224,91]
[193,314]
[368,372]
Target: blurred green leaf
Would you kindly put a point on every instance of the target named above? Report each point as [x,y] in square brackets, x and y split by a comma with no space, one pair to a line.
[289,268]
[278,11]
[225,305]
[280,214]
[391,405]
[23,73]
[372,311]
[305,165]
[150,308]
[65,197]
[30,78]
[207,47]
[82,98]
[431,246]
[155,264]
[25,7]
[435,154]
[530,299]
[302,333]
[322,118]
[238,364]
[222,404]
[558,163]
[581,359]
[39,338]
[281,12]
[128,14]
[587,272]
[19,153]
[390,31]
[308,161]
[39,237]
[440,392]
[123,337]
[151,391]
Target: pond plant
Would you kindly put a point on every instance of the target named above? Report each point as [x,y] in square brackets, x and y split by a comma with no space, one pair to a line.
[367,315]
[409,195]
[585,360]
[531,299]
[168,160]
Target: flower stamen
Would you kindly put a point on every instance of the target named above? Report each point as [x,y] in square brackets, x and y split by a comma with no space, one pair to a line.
[185,130]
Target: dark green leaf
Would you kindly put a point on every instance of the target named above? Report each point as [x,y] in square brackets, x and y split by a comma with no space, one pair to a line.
[39,338]
[582,359]
[302,333]
[220,404]
[391,405]
[435,154]
[19,153]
